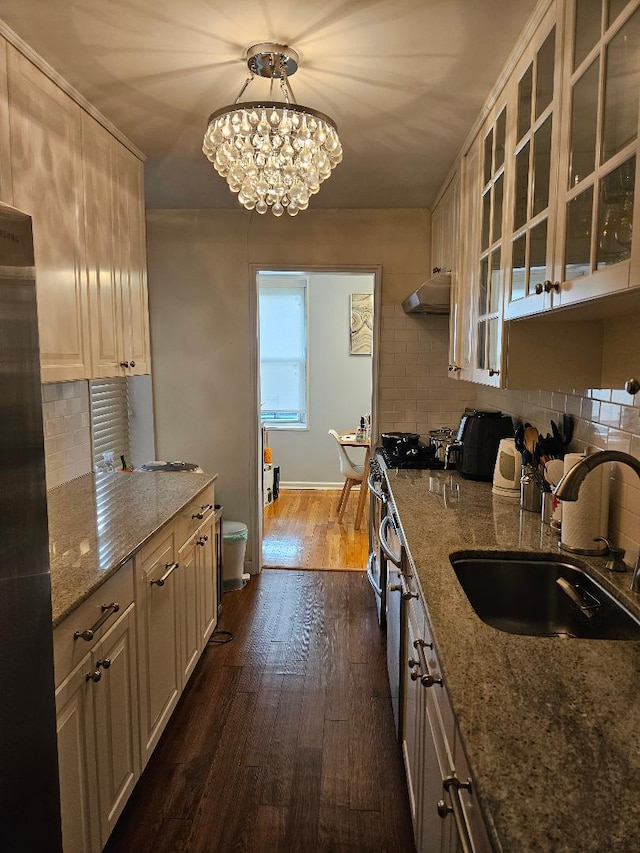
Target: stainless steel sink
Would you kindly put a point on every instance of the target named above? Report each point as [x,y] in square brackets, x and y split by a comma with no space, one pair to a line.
[525,594]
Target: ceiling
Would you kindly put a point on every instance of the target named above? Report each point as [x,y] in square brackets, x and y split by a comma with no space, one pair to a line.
[403,79]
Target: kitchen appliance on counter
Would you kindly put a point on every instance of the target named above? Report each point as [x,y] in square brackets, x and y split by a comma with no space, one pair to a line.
[508,470]
[29,788]
[477,442]
[405,450]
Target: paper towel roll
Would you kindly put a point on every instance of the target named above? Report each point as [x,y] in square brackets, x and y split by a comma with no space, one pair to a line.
[588,517]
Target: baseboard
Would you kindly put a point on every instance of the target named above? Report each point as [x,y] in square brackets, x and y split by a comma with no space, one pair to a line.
[324,486]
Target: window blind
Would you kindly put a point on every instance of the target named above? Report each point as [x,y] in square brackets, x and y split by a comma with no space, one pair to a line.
[109,419]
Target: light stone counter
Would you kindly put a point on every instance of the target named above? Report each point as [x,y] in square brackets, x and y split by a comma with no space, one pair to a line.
[98,521]
[551,726]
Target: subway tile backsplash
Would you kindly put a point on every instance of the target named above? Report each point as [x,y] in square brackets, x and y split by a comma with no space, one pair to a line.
[415,392]
[67,431]
[416,395]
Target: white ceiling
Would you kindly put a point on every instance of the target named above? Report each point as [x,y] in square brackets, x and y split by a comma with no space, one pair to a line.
[403,79]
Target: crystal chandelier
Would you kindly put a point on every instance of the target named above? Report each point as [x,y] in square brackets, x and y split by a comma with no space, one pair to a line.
[274,154]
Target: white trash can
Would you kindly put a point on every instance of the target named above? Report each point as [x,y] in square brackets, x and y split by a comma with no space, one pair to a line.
[234,536]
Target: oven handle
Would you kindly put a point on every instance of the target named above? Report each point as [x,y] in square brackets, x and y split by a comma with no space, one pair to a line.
[396,559]
[380,495]
[377,589]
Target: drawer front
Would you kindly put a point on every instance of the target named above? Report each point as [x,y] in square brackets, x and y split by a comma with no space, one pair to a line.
[192,516]
[91,621]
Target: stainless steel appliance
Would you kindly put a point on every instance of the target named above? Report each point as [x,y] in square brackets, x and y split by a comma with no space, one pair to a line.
[29,790]
[395,555]
[377,564]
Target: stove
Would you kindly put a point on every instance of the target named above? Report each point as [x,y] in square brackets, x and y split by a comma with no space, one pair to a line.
[422,461]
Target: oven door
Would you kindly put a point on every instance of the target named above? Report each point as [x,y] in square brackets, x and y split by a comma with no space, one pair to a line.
[377,563]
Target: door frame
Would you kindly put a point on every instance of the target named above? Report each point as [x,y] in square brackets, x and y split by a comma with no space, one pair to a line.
[255,463]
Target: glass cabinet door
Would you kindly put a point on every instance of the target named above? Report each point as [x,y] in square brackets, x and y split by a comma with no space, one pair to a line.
[598,182]
[533,145]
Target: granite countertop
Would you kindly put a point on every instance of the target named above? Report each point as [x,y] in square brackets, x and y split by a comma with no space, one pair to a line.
[550,726]
[98,521]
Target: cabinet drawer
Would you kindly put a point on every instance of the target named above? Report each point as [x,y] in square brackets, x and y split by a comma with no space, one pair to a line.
[67,651]
[193,514]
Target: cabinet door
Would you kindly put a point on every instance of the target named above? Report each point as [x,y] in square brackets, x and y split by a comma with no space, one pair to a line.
[76,761]
[206,544]
[158,630]
[190,592]
[6,190]
[132,262]
[598,183]
[105,309]
[116,719]
[47,184]
[533,144]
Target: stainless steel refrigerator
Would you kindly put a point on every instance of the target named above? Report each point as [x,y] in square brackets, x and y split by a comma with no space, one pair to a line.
[29,790]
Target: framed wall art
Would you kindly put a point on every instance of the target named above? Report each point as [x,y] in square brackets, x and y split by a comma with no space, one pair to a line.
[361,331]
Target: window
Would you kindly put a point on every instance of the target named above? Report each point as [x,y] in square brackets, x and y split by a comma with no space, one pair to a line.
[283,350]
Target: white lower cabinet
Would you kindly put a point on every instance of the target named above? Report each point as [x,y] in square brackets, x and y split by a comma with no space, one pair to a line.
[159,647]
[445,814]
[98,754]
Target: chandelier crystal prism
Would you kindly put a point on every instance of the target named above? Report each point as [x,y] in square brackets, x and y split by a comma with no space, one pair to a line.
[274,153]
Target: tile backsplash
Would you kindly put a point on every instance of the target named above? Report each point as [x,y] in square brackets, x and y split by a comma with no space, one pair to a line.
[604,419]
[416,395]
[415,392]
[67,431]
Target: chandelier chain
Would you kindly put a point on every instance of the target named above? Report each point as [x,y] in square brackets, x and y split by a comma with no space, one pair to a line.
[249,79]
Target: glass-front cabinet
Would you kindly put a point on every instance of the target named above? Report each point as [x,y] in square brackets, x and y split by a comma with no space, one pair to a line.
[598,185]
[533,168]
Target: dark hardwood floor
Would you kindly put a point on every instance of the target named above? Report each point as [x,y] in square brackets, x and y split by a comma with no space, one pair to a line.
[283,740]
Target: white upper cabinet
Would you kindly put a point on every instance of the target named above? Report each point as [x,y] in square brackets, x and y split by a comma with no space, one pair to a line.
[46,161]
[533,144]
[6,190]
[598,183]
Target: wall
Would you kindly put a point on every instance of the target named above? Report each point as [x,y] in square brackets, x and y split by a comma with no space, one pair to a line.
[604,419]
[339,385]
[202,325]
[67,432]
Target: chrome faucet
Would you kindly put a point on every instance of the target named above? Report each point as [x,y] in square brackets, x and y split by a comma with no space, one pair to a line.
[569,485]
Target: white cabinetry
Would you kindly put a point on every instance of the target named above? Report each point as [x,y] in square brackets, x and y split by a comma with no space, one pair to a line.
[97,713]
[443,804]
[176,597]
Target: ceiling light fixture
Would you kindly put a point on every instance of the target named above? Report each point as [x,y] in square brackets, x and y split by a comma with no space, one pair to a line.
[274,154]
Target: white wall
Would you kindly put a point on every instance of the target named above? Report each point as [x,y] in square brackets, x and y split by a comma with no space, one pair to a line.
[339,385]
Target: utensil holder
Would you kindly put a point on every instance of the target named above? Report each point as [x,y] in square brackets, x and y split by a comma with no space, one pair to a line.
[530,494]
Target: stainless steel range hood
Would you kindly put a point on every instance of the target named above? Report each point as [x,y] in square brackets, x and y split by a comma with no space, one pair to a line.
[432,297]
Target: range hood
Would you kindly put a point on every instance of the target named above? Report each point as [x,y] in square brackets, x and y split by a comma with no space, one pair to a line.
[432,297]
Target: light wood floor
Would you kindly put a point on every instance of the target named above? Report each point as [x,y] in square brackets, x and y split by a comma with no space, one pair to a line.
[301,530]
[283,740]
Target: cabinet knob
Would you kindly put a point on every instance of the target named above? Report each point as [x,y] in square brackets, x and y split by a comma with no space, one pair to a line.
[539,288]
[124,364]
[132,364]
[552,285]
[493,372]
[94,676]
[453,368]
[444,809]
[105,663]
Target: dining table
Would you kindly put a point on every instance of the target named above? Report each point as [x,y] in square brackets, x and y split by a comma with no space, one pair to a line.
[352,439]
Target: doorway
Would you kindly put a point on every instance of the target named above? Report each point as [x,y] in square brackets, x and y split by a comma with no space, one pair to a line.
[327,371]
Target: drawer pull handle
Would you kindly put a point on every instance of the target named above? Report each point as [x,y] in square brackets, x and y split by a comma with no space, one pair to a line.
[170,567]
[204,508]
[89,633]
[202,541]
[94,676]
[104,663]
[132,364]
[426,678]
[124,364]
[452,786]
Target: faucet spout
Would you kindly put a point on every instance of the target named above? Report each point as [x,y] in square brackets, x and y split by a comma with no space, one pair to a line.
[569,486]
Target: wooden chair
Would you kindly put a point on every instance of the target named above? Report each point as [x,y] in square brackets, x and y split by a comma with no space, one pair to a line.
[352,473]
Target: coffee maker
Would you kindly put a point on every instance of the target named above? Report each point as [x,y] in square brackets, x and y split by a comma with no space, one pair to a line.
[479,435]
